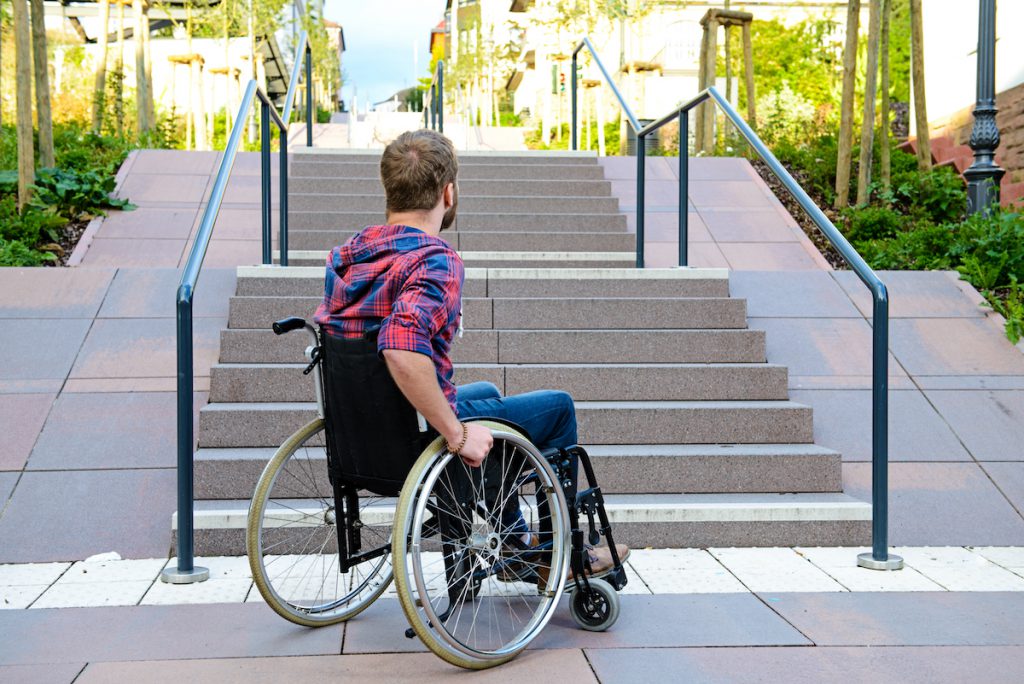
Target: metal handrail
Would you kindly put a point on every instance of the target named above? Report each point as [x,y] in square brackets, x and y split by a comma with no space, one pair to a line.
[879,558]
[436,106]
[185,571]
[301,49]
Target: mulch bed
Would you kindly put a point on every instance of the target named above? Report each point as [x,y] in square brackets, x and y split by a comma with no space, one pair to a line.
[69,237]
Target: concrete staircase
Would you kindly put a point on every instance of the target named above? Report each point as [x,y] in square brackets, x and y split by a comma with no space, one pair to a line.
[694,438]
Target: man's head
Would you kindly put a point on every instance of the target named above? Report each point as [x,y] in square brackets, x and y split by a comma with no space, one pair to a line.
[416,169]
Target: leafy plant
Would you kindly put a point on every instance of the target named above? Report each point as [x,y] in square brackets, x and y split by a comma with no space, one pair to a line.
[1010,307]
[17,253]
[872,223]
[75,193]
[28,227]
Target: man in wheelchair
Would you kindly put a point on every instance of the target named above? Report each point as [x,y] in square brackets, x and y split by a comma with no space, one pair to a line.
[401,283]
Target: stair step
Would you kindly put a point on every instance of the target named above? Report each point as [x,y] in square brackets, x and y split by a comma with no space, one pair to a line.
[512,282]
[471,203]
[621,469]
[467,172]
[647,520]
[535,313]
[546,346]
[466,157]
[464,221]
[561,241]
[255,382]
[502,259]
[467,187]
[640,422]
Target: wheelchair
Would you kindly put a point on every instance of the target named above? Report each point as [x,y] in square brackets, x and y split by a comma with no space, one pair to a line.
[367,492]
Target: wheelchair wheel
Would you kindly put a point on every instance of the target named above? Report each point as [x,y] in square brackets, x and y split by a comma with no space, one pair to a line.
[291,538]
[481,554]
[596,609]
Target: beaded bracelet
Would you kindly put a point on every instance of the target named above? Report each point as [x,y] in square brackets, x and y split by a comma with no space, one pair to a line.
[465,435]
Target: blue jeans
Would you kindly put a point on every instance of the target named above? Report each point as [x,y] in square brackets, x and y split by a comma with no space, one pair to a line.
[549,416]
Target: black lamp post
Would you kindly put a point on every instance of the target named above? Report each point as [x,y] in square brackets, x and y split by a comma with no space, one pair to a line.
[984,174]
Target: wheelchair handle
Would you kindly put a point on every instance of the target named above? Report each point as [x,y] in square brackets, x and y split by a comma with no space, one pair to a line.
[286,325]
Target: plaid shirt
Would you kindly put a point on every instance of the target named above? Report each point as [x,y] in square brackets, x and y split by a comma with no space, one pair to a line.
[402,281]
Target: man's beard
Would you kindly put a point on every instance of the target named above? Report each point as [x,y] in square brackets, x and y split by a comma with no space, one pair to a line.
[449,215]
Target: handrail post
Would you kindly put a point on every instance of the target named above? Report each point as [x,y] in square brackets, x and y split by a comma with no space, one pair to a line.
[573,95]
[640,172]
[282,201]
[265,180]
[309,98]
[433,107]
[684,187]
[879,558]
[440,96]
[185,572]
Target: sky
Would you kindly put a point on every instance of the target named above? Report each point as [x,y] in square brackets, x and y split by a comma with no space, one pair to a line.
[379,39]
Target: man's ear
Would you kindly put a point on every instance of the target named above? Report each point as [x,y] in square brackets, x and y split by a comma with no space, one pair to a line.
[448,195]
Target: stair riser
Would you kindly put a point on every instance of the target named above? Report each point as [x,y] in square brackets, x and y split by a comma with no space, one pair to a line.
[467,187]
[478,204]
[246,384]
[492,346]
[467,172]
[464,221]
[534,314]
[584,261]
[488,241]
[236,479]
[465,160]
[262,426]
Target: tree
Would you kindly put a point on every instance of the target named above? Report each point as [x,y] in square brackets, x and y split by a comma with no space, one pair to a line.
[884,162]
[41,67]
[141,82]
[867,133]
[99,103]
[924,147]
[23,87]
[846,107]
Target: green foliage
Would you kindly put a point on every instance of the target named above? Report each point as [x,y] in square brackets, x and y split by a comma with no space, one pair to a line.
[814,160]
[16,253]
[872,223]
[29,227]
[1010,307]
[73,194]
[611,138]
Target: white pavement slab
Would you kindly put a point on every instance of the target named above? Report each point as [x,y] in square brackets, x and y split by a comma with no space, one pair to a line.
[957,569]
[683,571]
[210,591]
[840,563]
[775,570]
[93,594]
[21,595]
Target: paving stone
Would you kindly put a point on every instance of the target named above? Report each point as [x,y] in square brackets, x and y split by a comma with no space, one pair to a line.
[625,168]
[421,668]
[144,348]
[841,564]
[663,226]
[152,293]
[940,503]
[210,591]
[7,482]
[970,382]
[904,619]
[683,571]
[935,346]
[990,423]
[1011,558]
[153,189]
[17,574]
[809,665]
[92,594]
[176,162]
[731,224]
[729,193]
[1009,477]
[842,421]
[59,293]
[88,512]
[59,673]
[157,633]
[148,222]
[40,349]
[111,430]
[21,420]
[957,569]
[791,294]
[20,596]
[775,569]
[107,571]
[134,252]
[239,224]
[915,294]
[651,621]
[769,256]
[230,253]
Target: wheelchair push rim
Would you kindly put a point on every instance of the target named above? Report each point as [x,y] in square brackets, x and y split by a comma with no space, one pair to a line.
[477,604]
[306,586]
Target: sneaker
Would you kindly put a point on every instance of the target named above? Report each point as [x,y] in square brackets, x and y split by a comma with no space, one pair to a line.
[514,566]
[600,563]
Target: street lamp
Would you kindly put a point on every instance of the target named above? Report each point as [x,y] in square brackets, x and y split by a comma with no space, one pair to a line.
[984,174]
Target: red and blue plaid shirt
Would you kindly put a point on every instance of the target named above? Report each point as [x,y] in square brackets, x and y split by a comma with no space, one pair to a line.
[402,281]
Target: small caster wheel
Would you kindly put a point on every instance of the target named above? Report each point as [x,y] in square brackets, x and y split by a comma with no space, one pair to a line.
[597,609]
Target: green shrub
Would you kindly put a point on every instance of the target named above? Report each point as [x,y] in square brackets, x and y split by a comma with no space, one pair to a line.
[17,253]
[28,227]
[938,195]
[923,248]
[872,223]
[990,249]
[75,193]
[1010,307]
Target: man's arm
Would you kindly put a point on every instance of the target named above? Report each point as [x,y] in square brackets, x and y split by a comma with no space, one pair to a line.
[415,375]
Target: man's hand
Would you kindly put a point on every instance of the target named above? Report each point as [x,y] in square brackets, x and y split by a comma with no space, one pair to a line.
[478,444]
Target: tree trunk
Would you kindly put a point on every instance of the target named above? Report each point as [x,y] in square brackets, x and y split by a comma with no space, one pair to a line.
[119,82]
[924,147]
[141,84]
[711,57]
[41,67]
[150,105]
[884,161]
[846,108]
[748,70]
[867,132]
[99,98]
[23,87]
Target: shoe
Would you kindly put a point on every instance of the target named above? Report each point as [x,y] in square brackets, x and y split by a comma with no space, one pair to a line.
[600,563]
[514,567]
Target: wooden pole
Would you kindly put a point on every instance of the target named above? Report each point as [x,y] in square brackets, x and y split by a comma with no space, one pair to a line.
[709,80]
[884,160]
[44,115]
[601,149]
[924,147]
[23,88]
[119,93]
[846,108]
[867,130]
[99,99]
[748,68]
[148,55]
[701,85]
[141,85]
